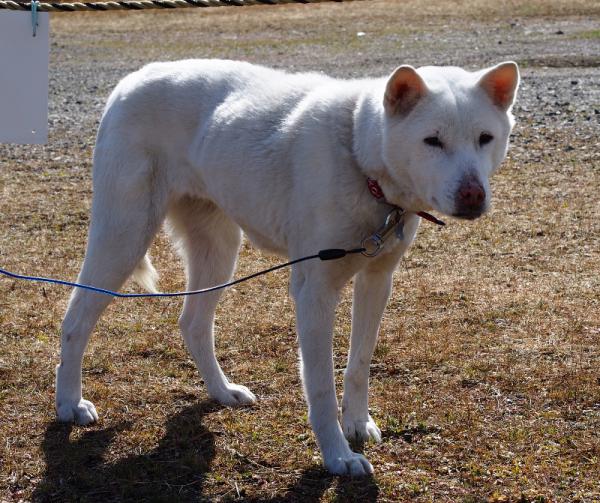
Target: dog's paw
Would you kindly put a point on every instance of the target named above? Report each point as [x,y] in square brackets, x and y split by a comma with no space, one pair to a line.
[361,431]
[82,412]
[234,395]
[353,464]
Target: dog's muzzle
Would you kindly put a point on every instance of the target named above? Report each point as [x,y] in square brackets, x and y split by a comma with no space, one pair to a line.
[470,199]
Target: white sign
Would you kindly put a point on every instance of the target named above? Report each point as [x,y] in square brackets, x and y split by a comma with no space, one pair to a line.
[23,78]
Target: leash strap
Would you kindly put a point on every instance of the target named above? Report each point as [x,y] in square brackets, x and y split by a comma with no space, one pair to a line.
[328,254]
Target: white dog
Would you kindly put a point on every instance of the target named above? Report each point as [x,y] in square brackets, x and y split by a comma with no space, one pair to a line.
[294,161]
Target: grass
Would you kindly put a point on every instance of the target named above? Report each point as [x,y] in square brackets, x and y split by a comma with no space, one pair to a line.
[486,380]
[592,34]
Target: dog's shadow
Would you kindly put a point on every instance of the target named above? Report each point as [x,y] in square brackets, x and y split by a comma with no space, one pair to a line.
[81,470]
[313,483]
[175,470]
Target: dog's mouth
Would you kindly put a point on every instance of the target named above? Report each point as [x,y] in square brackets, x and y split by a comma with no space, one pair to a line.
[463,213]
[470,215]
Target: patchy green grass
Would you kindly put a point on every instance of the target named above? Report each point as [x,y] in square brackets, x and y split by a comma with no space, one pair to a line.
[590,34]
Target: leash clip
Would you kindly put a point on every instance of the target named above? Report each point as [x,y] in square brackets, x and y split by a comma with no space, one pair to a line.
[374,243]
[371,245]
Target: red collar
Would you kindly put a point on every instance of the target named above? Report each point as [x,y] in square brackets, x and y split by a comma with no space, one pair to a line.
[377,193]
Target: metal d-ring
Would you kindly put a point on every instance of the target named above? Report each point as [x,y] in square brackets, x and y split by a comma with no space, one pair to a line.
[374,243]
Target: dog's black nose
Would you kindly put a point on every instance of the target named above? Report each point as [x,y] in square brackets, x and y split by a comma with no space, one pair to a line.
[470,198]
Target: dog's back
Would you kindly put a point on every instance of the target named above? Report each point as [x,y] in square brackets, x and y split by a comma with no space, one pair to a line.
[163,104]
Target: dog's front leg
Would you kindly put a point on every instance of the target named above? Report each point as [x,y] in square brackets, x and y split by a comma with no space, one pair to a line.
[371,293]
[315,310]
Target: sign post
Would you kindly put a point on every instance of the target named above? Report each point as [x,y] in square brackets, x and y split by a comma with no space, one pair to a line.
[24,77]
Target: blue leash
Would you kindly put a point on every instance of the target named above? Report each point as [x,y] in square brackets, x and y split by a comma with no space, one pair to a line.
[329,254]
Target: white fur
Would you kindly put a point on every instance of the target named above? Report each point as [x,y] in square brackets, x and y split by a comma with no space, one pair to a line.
[221,147]
[145,275]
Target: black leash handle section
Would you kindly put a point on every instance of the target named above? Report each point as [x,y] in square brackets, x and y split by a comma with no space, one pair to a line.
[328,254]
[336,253]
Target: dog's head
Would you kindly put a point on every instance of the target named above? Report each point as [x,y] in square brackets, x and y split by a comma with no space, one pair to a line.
[445,131]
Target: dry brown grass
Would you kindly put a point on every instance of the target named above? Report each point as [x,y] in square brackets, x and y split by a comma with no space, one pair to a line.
[486,380]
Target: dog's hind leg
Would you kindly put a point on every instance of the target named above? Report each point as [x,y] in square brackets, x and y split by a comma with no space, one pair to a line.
[127,210]
[209,242]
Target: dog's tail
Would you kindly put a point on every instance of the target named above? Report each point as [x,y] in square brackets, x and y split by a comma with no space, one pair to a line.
[145,275]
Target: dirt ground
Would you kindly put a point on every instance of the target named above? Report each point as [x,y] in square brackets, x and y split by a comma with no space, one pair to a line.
[486,379]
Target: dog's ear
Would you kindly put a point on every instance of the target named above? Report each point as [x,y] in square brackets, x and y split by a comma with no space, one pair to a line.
[500,83]
[404,89]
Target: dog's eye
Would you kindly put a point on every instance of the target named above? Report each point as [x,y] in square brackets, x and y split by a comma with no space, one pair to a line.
[434,141]
[485,138]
